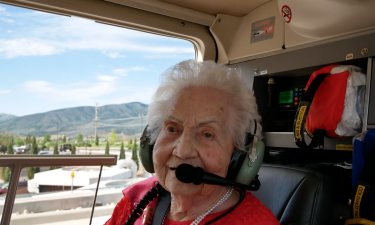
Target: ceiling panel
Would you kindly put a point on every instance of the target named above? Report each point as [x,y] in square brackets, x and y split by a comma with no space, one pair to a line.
[233,7]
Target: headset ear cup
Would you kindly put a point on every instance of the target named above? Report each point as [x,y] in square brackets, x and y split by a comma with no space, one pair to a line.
[249,169]
[145,152]
[236,162]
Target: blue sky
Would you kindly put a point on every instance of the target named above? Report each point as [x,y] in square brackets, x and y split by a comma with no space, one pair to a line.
[50,62]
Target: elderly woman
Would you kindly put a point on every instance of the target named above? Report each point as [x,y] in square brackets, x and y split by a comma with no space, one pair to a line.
[200,114]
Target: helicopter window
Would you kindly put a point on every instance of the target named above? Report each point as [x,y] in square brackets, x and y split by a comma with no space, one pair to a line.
[73,86]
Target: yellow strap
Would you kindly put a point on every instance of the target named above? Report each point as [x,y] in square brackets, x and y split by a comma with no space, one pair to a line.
[298,129]
[357,201]
[359,221]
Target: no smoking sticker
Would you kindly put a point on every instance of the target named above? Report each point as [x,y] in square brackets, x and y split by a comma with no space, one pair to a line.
[286,13]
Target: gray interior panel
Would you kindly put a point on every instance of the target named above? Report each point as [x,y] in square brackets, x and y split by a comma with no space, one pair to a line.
[371,110]
[313,56]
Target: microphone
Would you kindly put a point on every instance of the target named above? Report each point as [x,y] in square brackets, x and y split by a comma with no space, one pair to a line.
[187,173]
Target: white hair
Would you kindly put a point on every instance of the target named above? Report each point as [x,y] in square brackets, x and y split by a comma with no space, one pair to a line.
[207,74]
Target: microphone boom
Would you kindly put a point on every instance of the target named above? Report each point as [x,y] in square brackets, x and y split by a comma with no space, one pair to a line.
[187,173]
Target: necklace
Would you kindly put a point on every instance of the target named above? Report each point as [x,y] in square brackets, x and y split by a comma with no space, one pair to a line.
[201,217]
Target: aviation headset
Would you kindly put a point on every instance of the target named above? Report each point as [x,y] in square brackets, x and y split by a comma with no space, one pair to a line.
[243,167]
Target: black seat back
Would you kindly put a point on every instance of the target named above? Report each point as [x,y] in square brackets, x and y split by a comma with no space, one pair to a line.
[295,196]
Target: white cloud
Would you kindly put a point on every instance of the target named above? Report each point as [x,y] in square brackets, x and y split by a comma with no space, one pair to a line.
[166,56]
[88,93]
[25,47]
[69,33]
[114,55]
[79,92]
[2,9]
[133,94]
[2,91]
[125,72]
[9,31]
[6,20]
[106,78]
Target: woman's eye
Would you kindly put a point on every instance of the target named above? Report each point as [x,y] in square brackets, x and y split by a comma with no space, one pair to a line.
[172,129]
[207,135]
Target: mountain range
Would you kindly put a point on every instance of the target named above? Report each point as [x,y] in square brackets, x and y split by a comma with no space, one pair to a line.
[122,118]
[4,117]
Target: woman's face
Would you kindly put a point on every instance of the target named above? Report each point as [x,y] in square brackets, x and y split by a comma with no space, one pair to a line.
[195,132]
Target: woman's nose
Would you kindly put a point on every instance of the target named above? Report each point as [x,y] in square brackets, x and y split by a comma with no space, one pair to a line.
[185,148]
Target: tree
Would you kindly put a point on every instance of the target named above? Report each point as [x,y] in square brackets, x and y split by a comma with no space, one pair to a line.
[55,152]
[34,146]
[113,137]
[7,174]
[47,137]
[130,142]
[19,141]
[135,153]
[79,138]
[28,140]
[31,171]
[6,171]
[73,149]
[10,148]
[122,151]
[34,151]
[41,145]
[4,138]
[55,149]
[97,140]
[64,139]
[3,170]
[107,149]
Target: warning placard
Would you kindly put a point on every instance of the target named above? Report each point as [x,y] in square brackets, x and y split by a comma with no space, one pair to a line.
[262,30]
[286,13]
[344,147]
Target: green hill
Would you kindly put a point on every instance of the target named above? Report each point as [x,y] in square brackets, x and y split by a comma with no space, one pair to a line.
[4,117]
[71,121]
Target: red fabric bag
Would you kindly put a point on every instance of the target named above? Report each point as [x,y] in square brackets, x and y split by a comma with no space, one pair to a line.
[328,102]
[320,107]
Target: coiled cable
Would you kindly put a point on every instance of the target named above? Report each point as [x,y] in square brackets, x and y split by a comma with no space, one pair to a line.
[141,205]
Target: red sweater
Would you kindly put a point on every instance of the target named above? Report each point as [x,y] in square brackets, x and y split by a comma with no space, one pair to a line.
[250,211]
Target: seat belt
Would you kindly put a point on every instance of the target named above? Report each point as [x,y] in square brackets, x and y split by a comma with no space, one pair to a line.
[301,115]
[366,182]
[164,201]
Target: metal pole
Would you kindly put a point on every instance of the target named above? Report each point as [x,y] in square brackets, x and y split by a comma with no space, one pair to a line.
[96,118]
[96,104]
[57,126]
[96,193]
[11,194]
[72,186]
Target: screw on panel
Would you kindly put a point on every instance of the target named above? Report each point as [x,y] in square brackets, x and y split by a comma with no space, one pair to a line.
[256,71]
[219,20]
[182,24]
[364,51]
